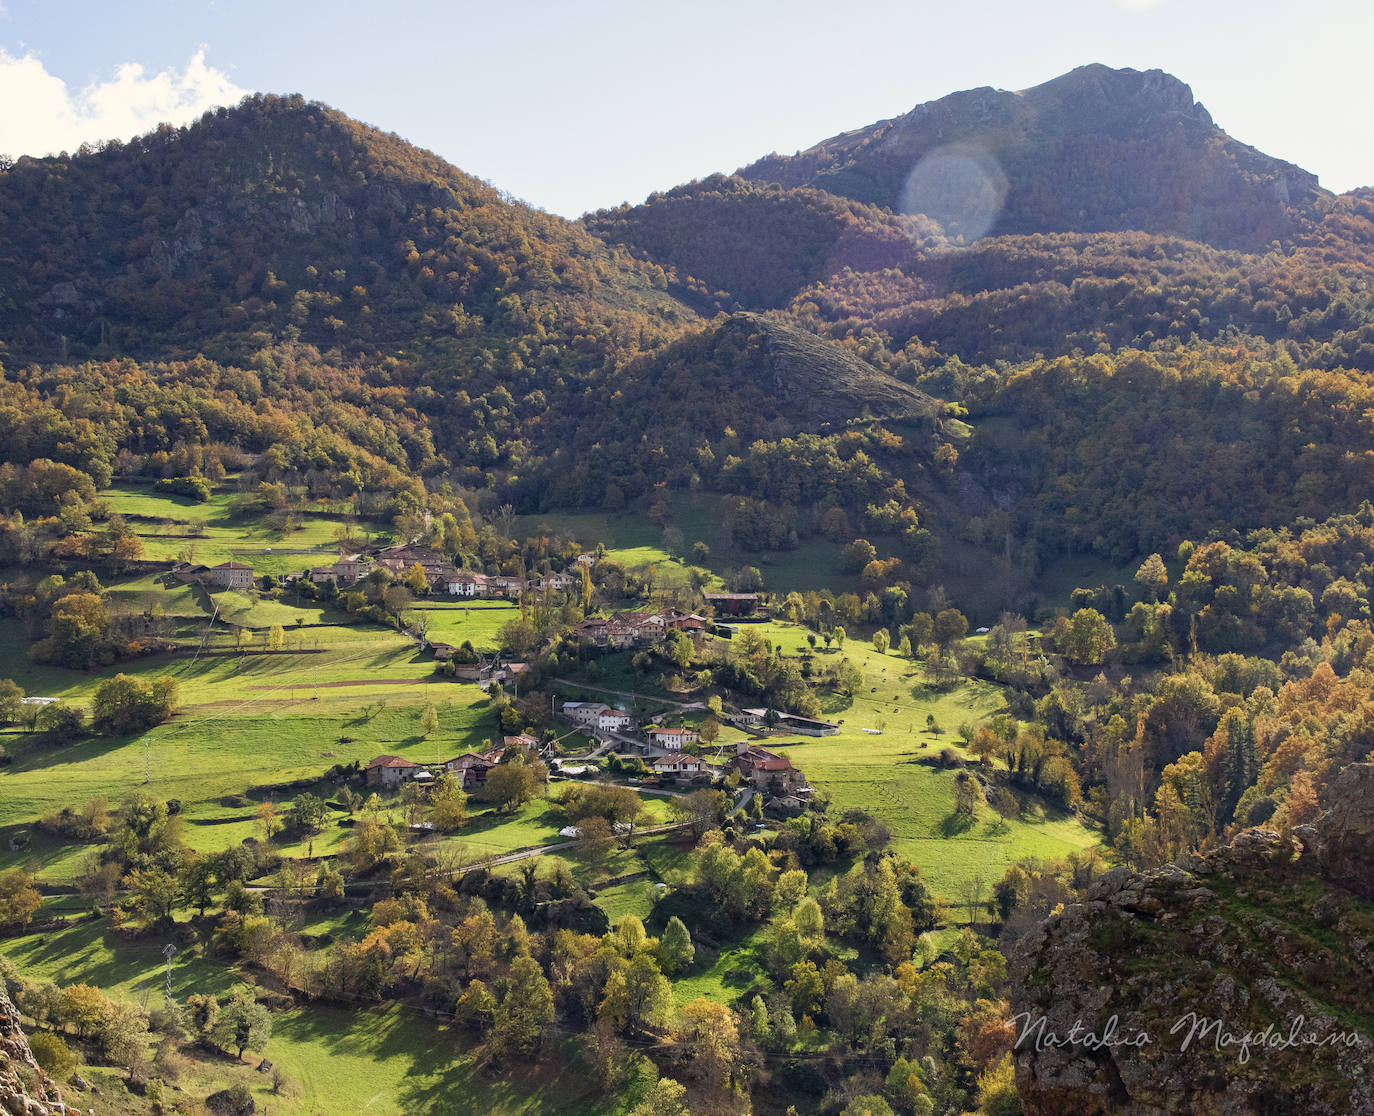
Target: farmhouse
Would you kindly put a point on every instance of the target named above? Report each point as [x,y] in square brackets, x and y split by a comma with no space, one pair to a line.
[345,572]
[597,715]
[766,770]
[231,575]
[672,739]
[391,771]
[471,768]
[733,604]
[677,766]
[465,583]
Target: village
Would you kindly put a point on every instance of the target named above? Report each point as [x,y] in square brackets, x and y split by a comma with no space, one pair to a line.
[654,755]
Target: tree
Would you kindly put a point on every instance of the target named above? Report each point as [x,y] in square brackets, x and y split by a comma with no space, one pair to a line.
[666,1098]
[1089,638]
[857,555]
[156,893]
[881,641]
[268,821]
[675,948]
[702,810]
[851,678]
[243,1023]
[448,805]
[198,883]
[868,1105]
[53,1055]
[950,626]
[511,785]
[124,704]
[707,1039]
[526,1007]
[19,899]
[429,719]
[11,701]
[308,814]
[1152,577]
[123,1037]
[60,722]
[84,1008]
[275,637]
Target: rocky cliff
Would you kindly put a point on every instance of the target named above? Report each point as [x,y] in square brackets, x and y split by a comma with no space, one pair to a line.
[24,1088]
[1240,983]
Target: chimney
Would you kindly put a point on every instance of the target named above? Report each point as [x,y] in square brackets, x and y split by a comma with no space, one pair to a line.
[741,747]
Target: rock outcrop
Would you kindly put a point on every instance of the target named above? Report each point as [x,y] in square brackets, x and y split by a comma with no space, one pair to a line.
[1345,833]
[24,1088]
[1241,983]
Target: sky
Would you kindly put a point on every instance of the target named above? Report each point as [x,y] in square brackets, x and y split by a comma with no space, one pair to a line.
[575,106]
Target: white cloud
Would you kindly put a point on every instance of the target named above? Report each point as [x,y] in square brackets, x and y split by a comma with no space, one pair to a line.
[42,115]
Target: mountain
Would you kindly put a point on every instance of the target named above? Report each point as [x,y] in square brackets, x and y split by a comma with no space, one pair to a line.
[285,219]
[1096,150]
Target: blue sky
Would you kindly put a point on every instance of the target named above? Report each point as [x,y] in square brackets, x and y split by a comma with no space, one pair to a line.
[575,106]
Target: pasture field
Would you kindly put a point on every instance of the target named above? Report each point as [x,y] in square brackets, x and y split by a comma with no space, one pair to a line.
[373,661]
[201,759]
[480,621]
[894,773]
[393,1058]
[216,531]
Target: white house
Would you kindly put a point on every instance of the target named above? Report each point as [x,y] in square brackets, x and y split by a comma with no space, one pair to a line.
[677,766]
[672,739]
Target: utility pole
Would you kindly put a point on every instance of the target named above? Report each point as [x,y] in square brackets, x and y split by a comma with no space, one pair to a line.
[317,683]
[147,760]
[168,951]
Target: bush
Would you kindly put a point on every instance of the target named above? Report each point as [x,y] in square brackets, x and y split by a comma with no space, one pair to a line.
[194,488]
[53,1055]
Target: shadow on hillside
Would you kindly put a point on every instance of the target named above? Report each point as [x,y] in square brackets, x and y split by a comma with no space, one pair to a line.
[954,823]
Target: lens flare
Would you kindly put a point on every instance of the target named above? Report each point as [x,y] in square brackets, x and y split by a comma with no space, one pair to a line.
[962,187]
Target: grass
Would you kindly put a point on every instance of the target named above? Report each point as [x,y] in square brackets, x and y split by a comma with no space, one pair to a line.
[480,622]
[201,759]
[223,534]
[387,1060]
[892,774]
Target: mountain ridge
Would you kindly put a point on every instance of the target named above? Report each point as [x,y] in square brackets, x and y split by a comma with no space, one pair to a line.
[1083,130]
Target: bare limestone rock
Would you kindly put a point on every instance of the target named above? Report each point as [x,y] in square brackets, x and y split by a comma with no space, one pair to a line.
[1202,990]
[24,1088]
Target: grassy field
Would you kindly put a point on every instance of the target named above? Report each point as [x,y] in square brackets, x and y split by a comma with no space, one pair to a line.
[374,1059]
[220,533]
[200,759]
[894,775]
[479,621]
